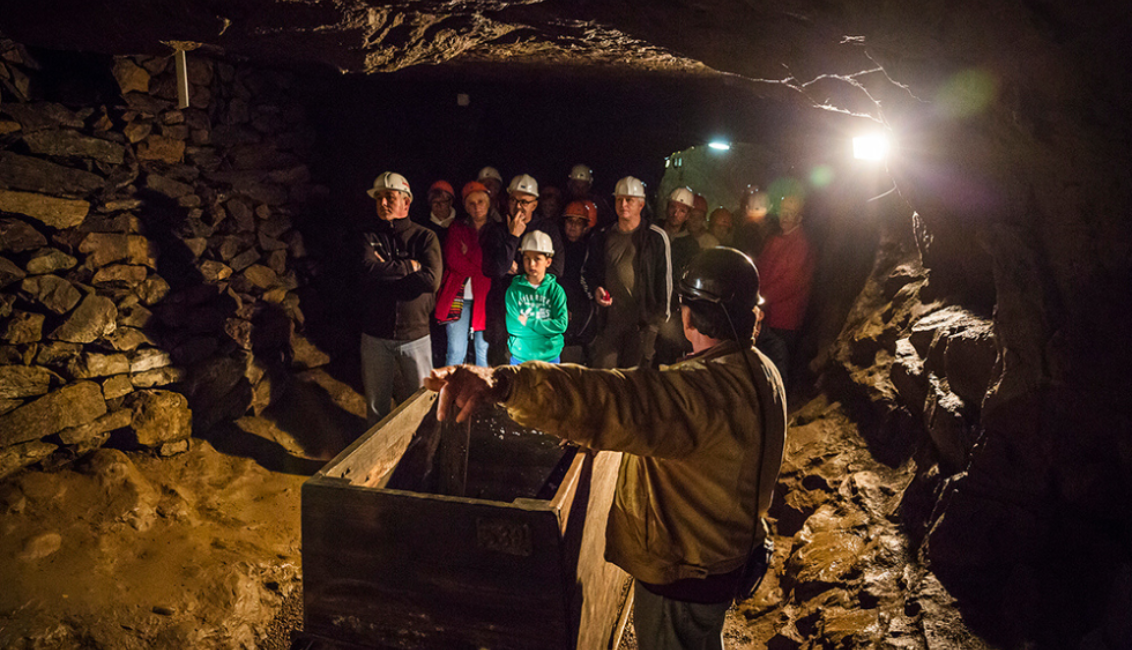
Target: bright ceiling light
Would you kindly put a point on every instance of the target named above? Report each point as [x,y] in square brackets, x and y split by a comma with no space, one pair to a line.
[719,145]
[870,147]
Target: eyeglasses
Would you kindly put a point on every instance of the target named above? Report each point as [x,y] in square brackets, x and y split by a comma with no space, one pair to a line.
[525,203]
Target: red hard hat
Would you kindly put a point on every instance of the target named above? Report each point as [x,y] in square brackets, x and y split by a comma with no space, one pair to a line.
[584,209]
[699,203]
[473,186]
[443,186]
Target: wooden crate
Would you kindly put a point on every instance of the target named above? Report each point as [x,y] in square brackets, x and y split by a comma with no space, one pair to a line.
[518,564]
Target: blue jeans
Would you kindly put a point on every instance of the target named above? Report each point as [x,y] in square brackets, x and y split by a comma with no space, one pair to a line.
[516,361]
[458,339]
[381,358]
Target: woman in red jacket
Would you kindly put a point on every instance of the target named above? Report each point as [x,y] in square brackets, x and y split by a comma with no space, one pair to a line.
[462,300]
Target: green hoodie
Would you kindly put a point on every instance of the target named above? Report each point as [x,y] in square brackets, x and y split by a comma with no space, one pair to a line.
[540,339]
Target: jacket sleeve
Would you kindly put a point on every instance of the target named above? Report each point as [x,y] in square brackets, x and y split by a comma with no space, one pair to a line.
[499,247]
[661,413]
[462,264]
[390,270]
[559,317]
[593,269]
[662,271]
[511,311]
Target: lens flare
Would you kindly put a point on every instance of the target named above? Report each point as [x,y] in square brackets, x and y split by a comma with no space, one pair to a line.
[870,147]
[821,176]
[967,93]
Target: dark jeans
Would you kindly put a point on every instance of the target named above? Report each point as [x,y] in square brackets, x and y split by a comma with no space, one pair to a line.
[779,346]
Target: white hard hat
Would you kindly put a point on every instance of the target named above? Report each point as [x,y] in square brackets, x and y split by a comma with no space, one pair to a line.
[524,183]
[683,195]
[390,181]
[630,186]
[490,172]
[538,242]
[581,172]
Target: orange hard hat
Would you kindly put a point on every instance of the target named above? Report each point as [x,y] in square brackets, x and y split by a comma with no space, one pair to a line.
[700,203]
[473,186]
[443,186]
[584,209]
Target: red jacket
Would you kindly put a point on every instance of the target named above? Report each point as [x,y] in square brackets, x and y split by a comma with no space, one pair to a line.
[786,271]
[463,259]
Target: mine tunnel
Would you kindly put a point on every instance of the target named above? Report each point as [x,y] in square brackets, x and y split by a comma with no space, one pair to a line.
[179,324]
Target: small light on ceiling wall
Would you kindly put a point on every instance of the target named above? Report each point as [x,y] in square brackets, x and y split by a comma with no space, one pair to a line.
[720,145]
[870,147]
[463,99]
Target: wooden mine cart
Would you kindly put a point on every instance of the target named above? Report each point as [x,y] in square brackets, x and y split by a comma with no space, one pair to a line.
[392,561]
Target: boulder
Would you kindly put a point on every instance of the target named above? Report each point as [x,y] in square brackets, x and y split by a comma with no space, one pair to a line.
[17,236]
[149,359]
[111,421]
[37,116]
[157,377]
[94,318]
[137,131]
[64,142]
[213,271]
[160,148]
[245,259]
[54,212]
[125,339]
[89,365]
[261,276]
[51,291]
[22,327]
[119,276]
[159,417]
[50,260]
[117,386]
[130,76]
[23,381]
[824,561]
[969,362]
[37,175]
[70,406]
[9,272]
[104,248]
[19,456]
[164,185]
[57,355]
[945,421]
[153,290]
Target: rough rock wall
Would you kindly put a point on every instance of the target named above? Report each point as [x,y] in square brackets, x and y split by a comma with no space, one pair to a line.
[148,257]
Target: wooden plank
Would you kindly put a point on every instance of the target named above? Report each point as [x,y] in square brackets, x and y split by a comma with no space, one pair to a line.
[425,571]
[376,452]
[454,439]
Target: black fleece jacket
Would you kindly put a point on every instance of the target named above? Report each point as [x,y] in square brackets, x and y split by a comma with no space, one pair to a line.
[397,302]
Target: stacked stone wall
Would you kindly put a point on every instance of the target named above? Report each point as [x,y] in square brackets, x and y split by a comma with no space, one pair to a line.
[150,264]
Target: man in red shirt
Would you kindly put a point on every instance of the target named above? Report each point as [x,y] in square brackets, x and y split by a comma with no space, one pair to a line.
[786,267]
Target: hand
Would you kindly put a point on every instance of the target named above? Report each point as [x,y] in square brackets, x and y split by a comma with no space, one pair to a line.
[517,225]
[523,318]
[463,248]
[415,265]
[466,387]
[514,270]
[602,297]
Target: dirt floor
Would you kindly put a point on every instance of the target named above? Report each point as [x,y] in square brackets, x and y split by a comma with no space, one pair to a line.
[125,550]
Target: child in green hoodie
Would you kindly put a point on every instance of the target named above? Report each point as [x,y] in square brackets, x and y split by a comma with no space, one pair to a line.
[536,305]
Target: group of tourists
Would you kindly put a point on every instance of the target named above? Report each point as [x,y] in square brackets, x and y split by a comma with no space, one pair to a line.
[530,274]
[521,273]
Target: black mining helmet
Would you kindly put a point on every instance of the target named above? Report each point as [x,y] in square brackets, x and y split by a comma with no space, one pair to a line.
[724,276]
